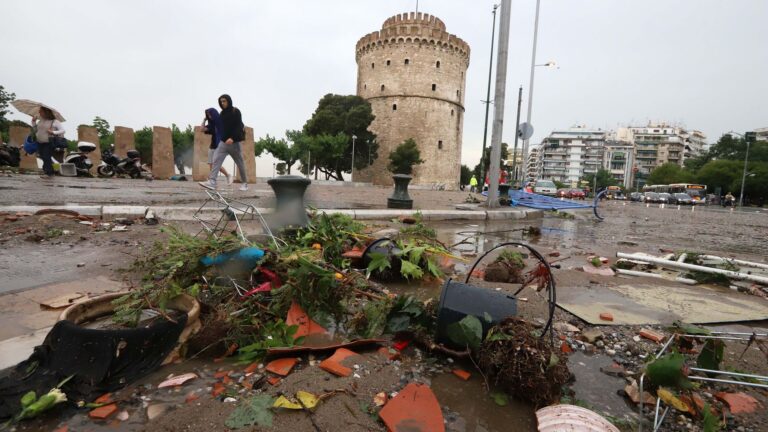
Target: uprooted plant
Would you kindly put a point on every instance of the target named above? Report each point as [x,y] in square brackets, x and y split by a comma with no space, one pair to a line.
[521,363]
[507,267]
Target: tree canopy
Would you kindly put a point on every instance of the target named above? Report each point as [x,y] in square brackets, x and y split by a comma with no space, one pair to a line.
[669,173]
[5,99]
[329,135]
[604,179]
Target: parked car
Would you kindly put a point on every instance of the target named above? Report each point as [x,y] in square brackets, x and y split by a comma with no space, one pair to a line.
[563,193]
[545,187]
[651,197]
[577,194]
[665,198]
[681,198]
[636,196]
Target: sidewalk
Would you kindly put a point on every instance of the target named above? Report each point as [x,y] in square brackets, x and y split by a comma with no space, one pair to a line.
[179,200]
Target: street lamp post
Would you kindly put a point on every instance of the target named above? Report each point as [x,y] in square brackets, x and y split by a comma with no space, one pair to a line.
[487,101]
[352,173]
[744,174]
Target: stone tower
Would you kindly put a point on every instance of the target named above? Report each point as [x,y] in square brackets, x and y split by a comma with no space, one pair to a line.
[413,73]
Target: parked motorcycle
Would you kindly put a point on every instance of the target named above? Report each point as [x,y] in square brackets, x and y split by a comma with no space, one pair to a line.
[112,165]
[9,155]
[80,159]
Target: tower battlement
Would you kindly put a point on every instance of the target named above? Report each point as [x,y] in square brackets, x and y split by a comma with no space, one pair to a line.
[415,28]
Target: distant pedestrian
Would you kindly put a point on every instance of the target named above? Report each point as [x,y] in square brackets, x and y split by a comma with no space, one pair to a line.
[232,136]
[212,126]
[45,129]
[473,184]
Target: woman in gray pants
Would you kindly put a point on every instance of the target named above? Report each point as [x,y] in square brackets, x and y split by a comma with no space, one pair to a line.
[232,136]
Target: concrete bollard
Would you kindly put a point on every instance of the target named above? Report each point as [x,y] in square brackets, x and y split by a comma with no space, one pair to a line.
[91,134]
[162,153]
[124,141]
[17,136]
[200,168]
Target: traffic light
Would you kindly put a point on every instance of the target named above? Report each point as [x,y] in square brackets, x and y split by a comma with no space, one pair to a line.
[750,137]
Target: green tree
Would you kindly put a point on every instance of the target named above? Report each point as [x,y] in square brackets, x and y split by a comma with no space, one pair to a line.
[487,160]
[404,157]
[669,173]
[183,144]
[322,152]
[106,137]
[143,140]
[466,174]
[734,148]
[604,179]
[5,99]
[720,174]
[284,150]
[347,115]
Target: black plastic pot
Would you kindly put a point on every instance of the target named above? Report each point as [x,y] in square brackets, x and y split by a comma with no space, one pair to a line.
[459,300]
[391,251]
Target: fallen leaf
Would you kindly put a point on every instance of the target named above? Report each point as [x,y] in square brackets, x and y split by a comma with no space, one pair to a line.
[670,399]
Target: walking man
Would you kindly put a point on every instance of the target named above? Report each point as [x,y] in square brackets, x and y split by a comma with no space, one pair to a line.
[473,184]
[232,136]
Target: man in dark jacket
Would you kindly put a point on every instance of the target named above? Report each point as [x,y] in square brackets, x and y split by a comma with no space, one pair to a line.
[232,135]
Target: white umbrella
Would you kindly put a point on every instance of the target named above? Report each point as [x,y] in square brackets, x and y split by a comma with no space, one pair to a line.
[32,108]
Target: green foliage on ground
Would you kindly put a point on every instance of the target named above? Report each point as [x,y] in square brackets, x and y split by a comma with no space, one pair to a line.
[466,333]
[255,411]
[405,157]
[668,371]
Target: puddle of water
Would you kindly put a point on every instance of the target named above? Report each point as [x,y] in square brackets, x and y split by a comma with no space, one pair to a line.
[476,409]
[596,388]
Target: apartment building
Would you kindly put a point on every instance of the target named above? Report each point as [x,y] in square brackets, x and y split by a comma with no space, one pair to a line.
[568,155]
[533,165]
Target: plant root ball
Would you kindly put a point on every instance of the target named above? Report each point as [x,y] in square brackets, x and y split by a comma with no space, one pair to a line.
[522,364]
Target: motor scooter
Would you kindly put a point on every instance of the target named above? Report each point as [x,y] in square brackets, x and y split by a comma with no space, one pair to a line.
[113,165]
[79,159]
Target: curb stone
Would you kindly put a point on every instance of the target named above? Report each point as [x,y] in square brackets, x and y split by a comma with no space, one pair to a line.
[187,213]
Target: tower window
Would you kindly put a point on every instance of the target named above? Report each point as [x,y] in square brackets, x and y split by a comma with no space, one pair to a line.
[437,65]
[407,62]
[394,107]
[388,62]
[434,87]
[382,87]
[373,65]
[458,93]
[440,145]
[451,113]
[365,86]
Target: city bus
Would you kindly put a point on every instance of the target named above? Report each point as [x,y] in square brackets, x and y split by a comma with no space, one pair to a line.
[656,188]
[698,192]
[614,192]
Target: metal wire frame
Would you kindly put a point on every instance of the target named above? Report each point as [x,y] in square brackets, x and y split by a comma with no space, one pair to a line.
[551,288]
[231,211]
[658,420]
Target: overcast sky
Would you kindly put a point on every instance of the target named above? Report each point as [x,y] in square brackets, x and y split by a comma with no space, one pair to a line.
[699,63]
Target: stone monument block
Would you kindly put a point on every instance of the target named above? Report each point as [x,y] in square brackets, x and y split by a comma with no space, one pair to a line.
[124,141]
[17,136]
[91,135]
[200,168]
[162,153]
[249,155]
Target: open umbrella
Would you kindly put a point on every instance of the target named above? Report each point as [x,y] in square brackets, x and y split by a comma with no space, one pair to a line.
[32,108]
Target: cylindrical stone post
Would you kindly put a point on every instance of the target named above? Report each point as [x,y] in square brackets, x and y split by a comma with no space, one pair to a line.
[249,156]
[17,136]
[200,168]
[124,141]
[91,134]
[162,153]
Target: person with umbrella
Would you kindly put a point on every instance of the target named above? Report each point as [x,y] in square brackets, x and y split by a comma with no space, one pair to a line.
[46,122]
[45,129]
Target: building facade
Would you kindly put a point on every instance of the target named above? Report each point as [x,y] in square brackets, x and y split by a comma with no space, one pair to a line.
[568,155]
[533,166]
[413,73]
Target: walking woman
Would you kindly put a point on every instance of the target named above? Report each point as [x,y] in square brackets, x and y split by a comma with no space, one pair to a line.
[212,126]
[46,128]
[232,136]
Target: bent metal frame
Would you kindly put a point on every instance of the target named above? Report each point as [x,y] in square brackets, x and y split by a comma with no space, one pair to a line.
[762,380]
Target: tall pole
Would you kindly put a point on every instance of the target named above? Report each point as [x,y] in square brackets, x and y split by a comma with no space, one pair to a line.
[487,101]
[352,173]
[498,105]
[744,176]
[533,69]
[517,134]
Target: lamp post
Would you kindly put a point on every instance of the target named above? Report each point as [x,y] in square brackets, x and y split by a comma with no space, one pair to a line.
[352,173]
[747,139]
[487,101]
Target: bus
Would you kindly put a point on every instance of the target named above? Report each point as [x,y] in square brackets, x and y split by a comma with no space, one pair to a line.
[698,192]
[614,192]
[656,188]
